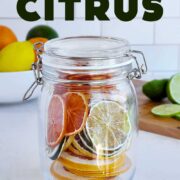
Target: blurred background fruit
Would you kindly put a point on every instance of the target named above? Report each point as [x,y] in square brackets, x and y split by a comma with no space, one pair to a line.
[38,39]
[7,36]
[42,31]
[18,56]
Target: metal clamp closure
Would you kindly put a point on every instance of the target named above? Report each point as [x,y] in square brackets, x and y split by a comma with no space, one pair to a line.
[37,69]
[141,69]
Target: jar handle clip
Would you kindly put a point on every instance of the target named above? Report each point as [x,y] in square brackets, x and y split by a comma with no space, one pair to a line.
[37,69]
[141,69]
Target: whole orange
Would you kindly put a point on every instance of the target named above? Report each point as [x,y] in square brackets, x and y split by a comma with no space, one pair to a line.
[7,36]
[36,40]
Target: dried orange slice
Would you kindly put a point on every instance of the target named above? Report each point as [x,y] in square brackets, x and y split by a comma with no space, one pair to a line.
[71,161]
[56,123]
[77,112]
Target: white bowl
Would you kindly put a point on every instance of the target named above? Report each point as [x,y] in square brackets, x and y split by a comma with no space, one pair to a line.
[14,85]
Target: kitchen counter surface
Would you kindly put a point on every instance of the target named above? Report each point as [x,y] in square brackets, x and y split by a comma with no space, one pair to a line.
[158,157]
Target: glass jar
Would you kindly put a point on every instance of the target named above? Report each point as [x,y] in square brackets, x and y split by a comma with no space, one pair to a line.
[88,108]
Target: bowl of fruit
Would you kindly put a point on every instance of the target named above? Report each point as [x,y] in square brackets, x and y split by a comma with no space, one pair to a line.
[16,59]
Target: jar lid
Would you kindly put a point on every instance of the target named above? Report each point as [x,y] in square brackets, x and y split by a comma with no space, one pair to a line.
[86,52]
[82,54]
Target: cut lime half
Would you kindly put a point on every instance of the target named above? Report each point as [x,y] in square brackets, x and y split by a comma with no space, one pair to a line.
[173,89]
[166,110]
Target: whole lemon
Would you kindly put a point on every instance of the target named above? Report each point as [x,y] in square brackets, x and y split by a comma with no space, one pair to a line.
[18,56]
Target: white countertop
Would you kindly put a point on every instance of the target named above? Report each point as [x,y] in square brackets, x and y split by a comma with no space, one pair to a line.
[158,157]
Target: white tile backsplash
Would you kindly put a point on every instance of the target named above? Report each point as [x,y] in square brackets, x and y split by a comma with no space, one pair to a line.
[136,31]
[79,27]
[168,31]
[160,41]
[160,58]
[8,9]
[171,8]
[20,27]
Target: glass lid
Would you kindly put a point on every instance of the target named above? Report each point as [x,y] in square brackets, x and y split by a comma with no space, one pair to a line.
[86,52]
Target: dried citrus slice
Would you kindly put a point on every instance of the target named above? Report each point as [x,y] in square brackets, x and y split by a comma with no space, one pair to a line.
[108,126]
[60,173]
[56,124]
[71,161]
[54,153]
[101,154]
[81,148]
[77,111]
[122,168]
[68,142]
[74,150]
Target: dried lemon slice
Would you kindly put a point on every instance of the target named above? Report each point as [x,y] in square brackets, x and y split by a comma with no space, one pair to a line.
[71,161]
[122,168]
[108,126]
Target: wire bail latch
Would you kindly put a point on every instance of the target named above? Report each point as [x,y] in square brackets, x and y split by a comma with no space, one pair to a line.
[37,69]
[141,69]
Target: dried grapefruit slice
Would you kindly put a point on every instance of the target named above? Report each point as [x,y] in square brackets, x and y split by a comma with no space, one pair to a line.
[56,124]
[77,111]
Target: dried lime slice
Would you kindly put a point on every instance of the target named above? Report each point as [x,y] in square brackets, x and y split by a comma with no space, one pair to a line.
[173,89]
[108,125]
[166,110]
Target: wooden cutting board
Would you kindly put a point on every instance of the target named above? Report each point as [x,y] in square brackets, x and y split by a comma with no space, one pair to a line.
[149,122]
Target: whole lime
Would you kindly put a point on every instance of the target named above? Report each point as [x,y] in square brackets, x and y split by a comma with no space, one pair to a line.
[18,56]
[156,89]
[42,31]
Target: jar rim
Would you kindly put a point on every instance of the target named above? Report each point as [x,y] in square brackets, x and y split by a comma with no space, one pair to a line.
[86,52]
[81,47]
